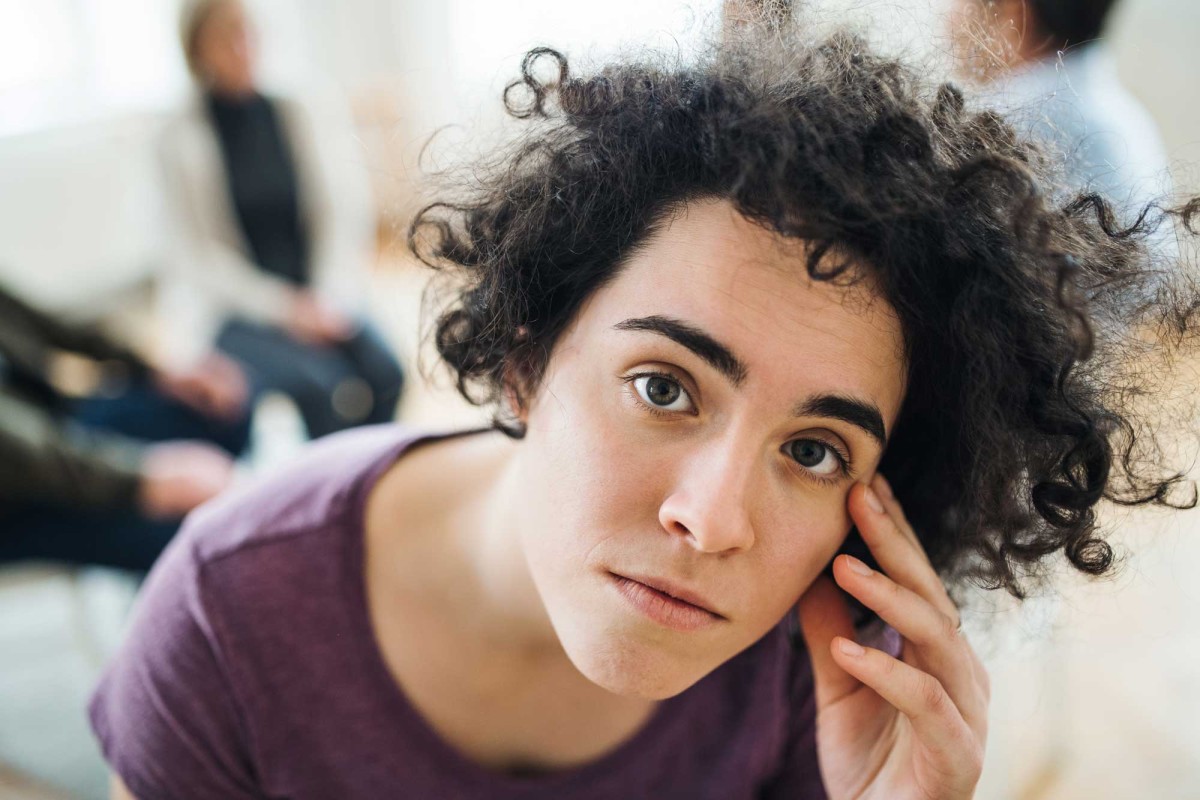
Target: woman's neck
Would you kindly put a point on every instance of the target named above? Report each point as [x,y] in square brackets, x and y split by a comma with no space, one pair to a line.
[446,572]
[227,95]
[448,528]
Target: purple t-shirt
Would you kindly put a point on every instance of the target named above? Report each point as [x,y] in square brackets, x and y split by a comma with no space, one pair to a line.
[251,671]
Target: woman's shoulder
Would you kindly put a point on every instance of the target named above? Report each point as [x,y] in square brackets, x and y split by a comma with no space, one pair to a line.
[243,569]
[189,113]
[319,112]
[317,491]
[186,133]
[254,603]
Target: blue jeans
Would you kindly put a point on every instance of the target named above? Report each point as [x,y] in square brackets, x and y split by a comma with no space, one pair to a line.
[123,539]
[354,382]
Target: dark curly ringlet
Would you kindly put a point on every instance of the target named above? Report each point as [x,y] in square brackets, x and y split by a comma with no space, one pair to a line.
[1028,319]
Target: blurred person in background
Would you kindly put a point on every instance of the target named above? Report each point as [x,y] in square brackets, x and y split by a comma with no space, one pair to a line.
[105,480]
[273,231]
[1047,64]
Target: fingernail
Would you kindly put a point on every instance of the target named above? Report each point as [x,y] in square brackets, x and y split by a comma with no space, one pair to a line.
[873,500]
[857,566]
[851,648]
[885,488]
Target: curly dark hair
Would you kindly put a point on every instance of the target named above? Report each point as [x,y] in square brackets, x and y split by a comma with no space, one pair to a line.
[1028,318]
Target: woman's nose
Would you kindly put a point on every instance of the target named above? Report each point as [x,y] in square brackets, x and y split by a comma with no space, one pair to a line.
[710,504]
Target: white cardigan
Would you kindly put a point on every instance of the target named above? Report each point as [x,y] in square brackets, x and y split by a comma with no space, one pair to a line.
[210,275]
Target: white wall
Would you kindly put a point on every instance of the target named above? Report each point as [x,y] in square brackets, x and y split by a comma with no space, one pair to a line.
[1158,59]
[78,212]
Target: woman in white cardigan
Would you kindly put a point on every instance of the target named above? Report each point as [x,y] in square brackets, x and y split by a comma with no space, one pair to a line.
[272,231]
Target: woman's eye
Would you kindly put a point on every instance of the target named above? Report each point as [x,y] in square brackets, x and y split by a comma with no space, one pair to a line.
[662,393]
[815,456]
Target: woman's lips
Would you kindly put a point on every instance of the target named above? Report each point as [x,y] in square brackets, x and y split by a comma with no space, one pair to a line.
[671,612]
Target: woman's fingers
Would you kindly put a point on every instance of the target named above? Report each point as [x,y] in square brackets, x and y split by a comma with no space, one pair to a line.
[896,550]
[953,746]
[823,616]
[938,646]
[912,599]
[883,490]
[982,680]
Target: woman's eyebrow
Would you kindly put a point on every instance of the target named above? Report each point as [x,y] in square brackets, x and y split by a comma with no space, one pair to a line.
[859,413]
[720,357]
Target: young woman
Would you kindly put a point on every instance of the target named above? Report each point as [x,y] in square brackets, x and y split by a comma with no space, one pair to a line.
[712,306]
[272,233]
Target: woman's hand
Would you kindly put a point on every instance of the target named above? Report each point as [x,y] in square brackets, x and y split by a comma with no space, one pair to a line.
[216,387]
[314,322]
[888,728]
[179,475]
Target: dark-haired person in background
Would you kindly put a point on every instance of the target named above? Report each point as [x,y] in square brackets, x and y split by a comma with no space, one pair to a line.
[106,480]
[272,233]
[1047,64]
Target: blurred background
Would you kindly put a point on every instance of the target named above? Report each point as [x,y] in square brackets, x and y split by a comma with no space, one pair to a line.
[1097,689]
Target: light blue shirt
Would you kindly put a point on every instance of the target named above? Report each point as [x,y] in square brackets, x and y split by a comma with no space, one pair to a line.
[1075,103]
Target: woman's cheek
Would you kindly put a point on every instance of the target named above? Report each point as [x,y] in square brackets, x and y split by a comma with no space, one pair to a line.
[802,543]
[597,458]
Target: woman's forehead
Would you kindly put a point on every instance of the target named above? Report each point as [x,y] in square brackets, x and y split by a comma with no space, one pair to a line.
[710,261]
[710,268]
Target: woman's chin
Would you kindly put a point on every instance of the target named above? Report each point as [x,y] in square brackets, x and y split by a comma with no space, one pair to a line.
[645,686]
[631,671]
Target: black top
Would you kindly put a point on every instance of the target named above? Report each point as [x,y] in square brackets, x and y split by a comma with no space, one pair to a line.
[29,339]
[261,177]
[43,458]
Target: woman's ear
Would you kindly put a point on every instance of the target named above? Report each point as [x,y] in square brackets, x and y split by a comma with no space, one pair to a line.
[514,403]
[517,377]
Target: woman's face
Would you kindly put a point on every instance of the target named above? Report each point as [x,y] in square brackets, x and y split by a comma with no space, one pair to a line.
[986,35]
[227,50]
[699,426]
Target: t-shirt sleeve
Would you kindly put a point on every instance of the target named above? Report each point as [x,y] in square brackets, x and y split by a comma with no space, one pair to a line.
[800,775]
[165,712]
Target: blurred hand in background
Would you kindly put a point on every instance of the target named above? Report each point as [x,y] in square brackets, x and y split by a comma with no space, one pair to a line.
[314,321]
[178,476]
[216,387]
